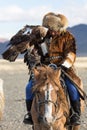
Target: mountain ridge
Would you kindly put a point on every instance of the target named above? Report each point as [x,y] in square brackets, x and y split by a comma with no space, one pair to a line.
[80,33]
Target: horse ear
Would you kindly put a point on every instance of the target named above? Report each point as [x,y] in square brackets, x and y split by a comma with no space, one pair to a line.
[36,72]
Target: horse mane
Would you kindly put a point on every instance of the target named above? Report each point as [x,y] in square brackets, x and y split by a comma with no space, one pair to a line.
[45,74]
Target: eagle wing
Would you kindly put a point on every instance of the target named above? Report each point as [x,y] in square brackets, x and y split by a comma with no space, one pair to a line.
[18,44]
[23,40]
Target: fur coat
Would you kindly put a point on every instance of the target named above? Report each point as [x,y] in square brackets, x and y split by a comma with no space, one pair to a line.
[64,45]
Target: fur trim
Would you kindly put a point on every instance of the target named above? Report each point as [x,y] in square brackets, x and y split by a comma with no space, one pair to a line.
[69,60]
[71,56]
[67,63]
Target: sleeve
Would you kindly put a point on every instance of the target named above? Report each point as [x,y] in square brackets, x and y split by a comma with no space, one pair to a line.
[70,52]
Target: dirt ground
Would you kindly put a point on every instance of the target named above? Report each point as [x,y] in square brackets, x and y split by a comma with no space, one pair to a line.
[15,77]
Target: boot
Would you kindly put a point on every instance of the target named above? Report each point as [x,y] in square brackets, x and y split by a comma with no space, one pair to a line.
[28,117]
[75,118]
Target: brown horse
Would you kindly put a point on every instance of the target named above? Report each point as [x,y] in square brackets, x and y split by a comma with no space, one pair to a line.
[1,99]
[50,108]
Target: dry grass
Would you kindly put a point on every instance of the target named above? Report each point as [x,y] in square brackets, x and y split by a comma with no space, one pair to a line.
[81,62]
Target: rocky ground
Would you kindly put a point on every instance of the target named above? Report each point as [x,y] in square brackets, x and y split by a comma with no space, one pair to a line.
[15,76]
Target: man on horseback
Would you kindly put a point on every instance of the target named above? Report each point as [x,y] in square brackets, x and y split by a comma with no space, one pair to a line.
[58,47]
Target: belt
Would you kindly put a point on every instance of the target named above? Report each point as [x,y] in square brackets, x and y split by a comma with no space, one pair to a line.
[53,58]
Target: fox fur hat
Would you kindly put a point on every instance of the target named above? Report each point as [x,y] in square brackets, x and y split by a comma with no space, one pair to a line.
[56,22]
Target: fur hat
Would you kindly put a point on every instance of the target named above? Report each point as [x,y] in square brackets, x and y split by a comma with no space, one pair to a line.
[56,22]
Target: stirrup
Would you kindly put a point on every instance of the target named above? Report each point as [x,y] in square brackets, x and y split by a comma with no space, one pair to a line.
[28,119]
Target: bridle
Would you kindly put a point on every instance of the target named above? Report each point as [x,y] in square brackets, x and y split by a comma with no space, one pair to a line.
[47,100]
[41,102]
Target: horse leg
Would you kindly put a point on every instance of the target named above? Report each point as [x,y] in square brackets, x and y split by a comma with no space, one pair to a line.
[70,128]
[76,127]
[36,127]
[39,127]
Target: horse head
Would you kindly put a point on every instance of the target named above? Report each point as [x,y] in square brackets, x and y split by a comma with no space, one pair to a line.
[48,93]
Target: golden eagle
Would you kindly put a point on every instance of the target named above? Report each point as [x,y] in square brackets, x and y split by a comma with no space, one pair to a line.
[22,41]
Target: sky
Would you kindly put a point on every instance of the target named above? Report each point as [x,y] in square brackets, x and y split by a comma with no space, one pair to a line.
[15,14]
